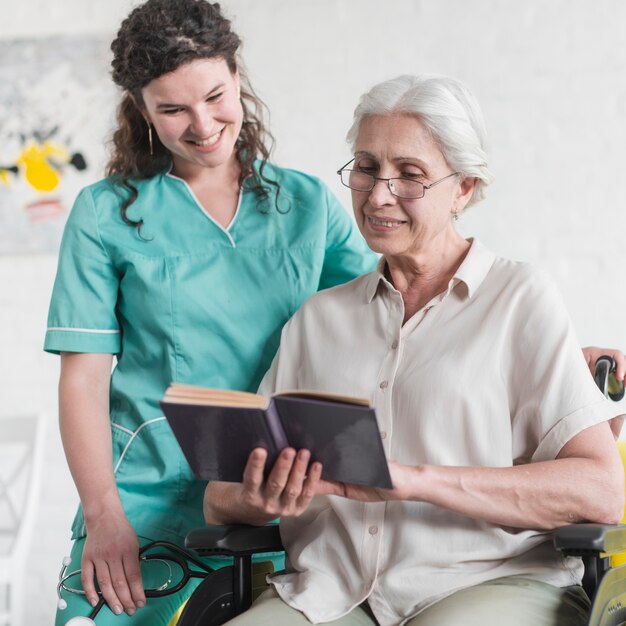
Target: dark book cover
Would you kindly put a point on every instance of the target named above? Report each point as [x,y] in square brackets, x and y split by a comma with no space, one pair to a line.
[344,437]
[217,441]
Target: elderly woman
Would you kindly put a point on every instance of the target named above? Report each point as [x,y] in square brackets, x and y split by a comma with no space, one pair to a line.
[494,427]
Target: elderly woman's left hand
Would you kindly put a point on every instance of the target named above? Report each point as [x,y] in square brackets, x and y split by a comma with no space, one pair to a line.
[401,477]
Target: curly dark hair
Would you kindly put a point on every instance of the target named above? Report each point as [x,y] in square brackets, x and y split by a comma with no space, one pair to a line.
[156,38]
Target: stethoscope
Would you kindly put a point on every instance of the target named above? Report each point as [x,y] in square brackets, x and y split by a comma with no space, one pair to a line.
[177,555]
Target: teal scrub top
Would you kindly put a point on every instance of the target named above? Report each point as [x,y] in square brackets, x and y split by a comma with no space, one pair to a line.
[187,300]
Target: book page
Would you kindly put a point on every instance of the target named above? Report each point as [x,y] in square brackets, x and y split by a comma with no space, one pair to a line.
[204,396]
[323,395]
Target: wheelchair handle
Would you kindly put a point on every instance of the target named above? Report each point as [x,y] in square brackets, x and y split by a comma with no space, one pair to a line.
[606,380]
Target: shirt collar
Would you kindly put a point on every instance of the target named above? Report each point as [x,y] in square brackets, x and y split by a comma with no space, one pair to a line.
[475,266]
[374,279]
[471,272]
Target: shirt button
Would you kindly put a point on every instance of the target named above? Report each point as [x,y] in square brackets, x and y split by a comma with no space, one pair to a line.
[394,345]
[384,384]
[373,530]
[383,434]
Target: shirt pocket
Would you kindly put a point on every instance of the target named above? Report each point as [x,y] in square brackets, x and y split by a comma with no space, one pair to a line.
[149,466]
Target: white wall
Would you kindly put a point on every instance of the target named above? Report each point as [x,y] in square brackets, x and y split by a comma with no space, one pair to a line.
[550,74]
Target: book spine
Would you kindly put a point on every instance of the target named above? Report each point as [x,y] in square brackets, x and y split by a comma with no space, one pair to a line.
[272,419]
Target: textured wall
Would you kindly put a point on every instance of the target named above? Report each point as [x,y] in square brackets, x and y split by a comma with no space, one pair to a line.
[551,76]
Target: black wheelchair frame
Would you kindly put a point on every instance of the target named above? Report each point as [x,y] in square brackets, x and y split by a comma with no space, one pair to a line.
[227,592]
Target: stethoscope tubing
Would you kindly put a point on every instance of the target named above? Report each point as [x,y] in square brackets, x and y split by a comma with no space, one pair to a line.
[176,554]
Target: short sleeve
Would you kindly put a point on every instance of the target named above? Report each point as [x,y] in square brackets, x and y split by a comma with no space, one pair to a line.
[82,314]
[555,397]
[347,255]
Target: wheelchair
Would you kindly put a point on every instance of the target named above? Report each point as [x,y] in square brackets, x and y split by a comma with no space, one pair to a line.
[229,591]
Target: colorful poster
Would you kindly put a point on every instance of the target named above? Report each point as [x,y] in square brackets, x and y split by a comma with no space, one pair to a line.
[57,106]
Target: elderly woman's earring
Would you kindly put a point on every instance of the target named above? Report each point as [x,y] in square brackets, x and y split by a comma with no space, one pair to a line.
[150,139]
[455,216]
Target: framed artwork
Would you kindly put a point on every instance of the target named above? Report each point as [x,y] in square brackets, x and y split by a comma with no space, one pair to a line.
[57,106]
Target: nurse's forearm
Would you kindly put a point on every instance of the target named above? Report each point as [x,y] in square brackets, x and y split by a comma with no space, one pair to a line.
[86,432]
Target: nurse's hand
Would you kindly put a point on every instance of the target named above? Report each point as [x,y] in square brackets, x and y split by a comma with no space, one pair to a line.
[111,557]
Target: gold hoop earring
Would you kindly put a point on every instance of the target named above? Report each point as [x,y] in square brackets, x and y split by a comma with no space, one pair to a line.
[150,139]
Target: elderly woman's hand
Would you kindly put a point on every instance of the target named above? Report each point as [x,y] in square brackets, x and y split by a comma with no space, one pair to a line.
[289,488]
[287,491]
[592,354]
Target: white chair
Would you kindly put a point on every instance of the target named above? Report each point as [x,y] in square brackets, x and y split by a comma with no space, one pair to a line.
[21,447]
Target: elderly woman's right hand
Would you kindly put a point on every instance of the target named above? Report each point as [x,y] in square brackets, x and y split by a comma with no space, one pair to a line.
[289,488]
[287,491]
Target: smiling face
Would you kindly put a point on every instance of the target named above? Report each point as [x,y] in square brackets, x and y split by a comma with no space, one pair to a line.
[197,114]
[399,146]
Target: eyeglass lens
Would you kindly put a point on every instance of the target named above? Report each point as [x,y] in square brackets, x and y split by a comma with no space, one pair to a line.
[400,187]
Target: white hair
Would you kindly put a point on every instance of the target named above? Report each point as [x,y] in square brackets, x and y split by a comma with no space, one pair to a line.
[448,110]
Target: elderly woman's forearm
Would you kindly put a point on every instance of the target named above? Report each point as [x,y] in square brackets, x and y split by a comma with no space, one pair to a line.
[539,495]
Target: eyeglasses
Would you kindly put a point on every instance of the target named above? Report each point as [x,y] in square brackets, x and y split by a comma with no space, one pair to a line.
[399,187]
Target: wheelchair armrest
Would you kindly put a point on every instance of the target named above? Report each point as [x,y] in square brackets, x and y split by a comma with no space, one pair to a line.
[240,542]
[237,540]
[590,539]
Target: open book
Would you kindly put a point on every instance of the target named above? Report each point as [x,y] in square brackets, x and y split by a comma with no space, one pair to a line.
[217,429]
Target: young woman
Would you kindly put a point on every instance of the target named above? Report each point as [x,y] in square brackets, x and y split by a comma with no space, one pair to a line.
[184,263]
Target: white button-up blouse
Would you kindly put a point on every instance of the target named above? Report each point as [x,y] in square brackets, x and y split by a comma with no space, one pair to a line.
[488,374]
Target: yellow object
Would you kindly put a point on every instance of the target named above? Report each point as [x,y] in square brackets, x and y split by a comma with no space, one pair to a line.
[4,177]
[619,559]
[614,386]
[36,161]
[178,613]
